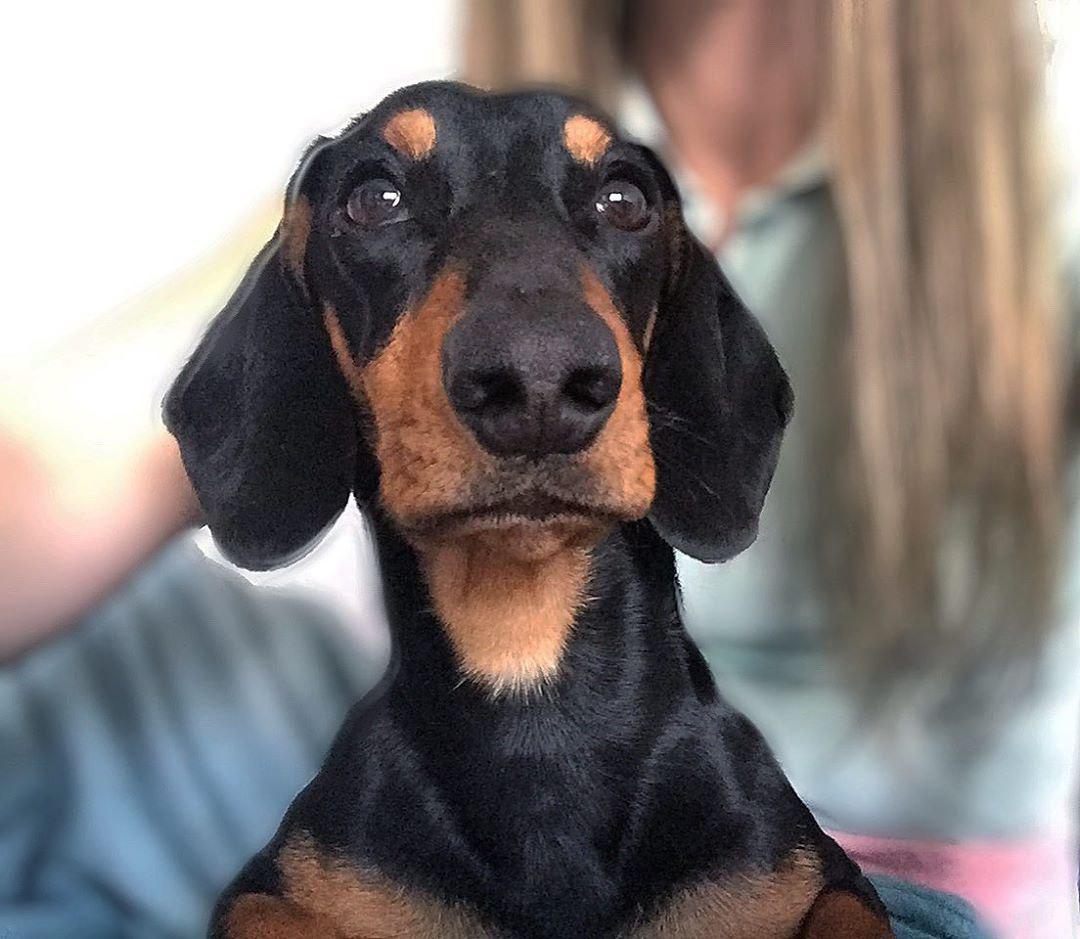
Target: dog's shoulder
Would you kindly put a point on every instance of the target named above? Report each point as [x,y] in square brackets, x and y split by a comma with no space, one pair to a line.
[343,863]
[299,886]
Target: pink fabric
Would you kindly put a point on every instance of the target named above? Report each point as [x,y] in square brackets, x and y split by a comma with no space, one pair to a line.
[1023,889]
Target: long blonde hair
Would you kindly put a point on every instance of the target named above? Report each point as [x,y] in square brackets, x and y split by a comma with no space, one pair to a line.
[939,477]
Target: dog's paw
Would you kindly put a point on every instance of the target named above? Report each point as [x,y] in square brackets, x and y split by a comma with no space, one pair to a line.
[261,916]
[837,914]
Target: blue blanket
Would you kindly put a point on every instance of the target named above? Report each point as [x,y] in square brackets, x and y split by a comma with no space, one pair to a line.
[921,913]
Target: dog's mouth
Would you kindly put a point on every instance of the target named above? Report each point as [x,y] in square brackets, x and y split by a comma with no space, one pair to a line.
[527,511]
[525,508]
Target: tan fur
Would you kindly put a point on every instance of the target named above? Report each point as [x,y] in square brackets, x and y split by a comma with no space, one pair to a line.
[340,345]
[621,455]
[750,906]
[325,896]
[411,133]
[259,916]
[427,456]
[837,914]
[295,231]
[508,616]
[650,327]
[585,138]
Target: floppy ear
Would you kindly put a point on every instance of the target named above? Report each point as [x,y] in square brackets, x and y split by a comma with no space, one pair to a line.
[719,402]
[263,418]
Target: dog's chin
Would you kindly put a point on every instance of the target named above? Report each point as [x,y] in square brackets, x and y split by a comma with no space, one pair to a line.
[525,530]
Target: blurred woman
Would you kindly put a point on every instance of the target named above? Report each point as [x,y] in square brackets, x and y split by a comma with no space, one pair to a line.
[875,181]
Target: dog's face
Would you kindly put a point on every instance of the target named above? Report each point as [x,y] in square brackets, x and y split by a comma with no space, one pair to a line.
[489,305]
[486,268]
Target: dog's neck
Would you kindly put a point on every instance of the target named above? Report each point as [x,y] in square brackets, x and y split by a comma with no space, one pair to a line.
[625,600]
[507,603]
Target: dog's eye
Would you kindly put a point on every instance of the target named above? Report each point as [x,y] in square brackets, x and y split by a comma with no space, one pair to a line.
[624,205]
[375,202]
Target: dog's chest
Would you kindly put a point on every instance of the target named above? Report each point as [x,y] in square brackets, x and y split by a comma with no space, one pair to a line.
[546,828]
[526,828]
[554,818]
[543,816]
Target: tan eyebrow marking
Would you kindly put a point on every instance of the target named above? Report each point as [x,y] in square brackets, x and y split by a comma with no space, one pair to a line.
[411,133]
[586,139]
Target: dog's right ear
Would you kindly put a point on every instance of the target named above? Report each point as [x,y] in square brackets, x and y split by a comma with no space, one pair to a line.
[262,415]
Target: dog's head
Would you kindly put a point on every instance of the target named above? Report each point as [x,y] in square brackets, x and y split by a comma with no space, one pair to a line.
[486,312]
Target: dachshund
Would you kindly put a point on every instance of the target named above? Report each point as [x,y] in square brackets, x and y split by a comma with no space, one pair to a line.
[483,316]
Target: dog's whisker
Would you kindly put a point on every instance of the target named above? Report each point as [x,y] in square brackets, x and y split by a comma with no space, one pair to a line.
[691,474]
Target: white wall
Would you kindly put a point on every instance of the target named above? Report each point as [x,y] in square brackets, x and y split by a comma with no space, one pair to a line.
[139,133]
[147,150]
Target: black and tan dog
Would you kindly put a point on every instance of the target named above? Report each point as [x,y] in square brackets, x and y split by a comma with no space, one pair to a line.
[484,316]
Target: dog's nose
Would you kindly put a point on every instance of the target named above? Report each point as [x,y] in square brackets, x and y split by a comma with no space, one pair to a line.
[545,385]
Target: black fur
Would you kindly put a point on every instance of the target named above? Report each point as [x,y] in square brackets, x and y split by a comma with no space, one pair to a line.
[578,809]
[712,369]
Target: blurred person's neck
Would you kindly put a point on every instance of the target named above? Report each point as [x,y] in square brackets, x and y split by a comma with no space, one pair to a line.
[737,83]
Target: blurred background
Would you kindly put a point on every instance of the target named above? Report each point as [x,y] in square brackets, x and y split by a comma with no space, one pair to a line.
[890,183]
[150,150]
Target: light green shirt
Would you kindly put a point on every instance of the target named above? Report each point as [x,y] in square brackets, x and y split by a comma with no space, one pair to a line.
[760,620]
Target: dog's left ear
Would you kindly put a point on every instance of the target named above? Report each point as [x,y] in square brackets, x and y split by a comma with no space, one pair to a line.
[261,412]
[718,404]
